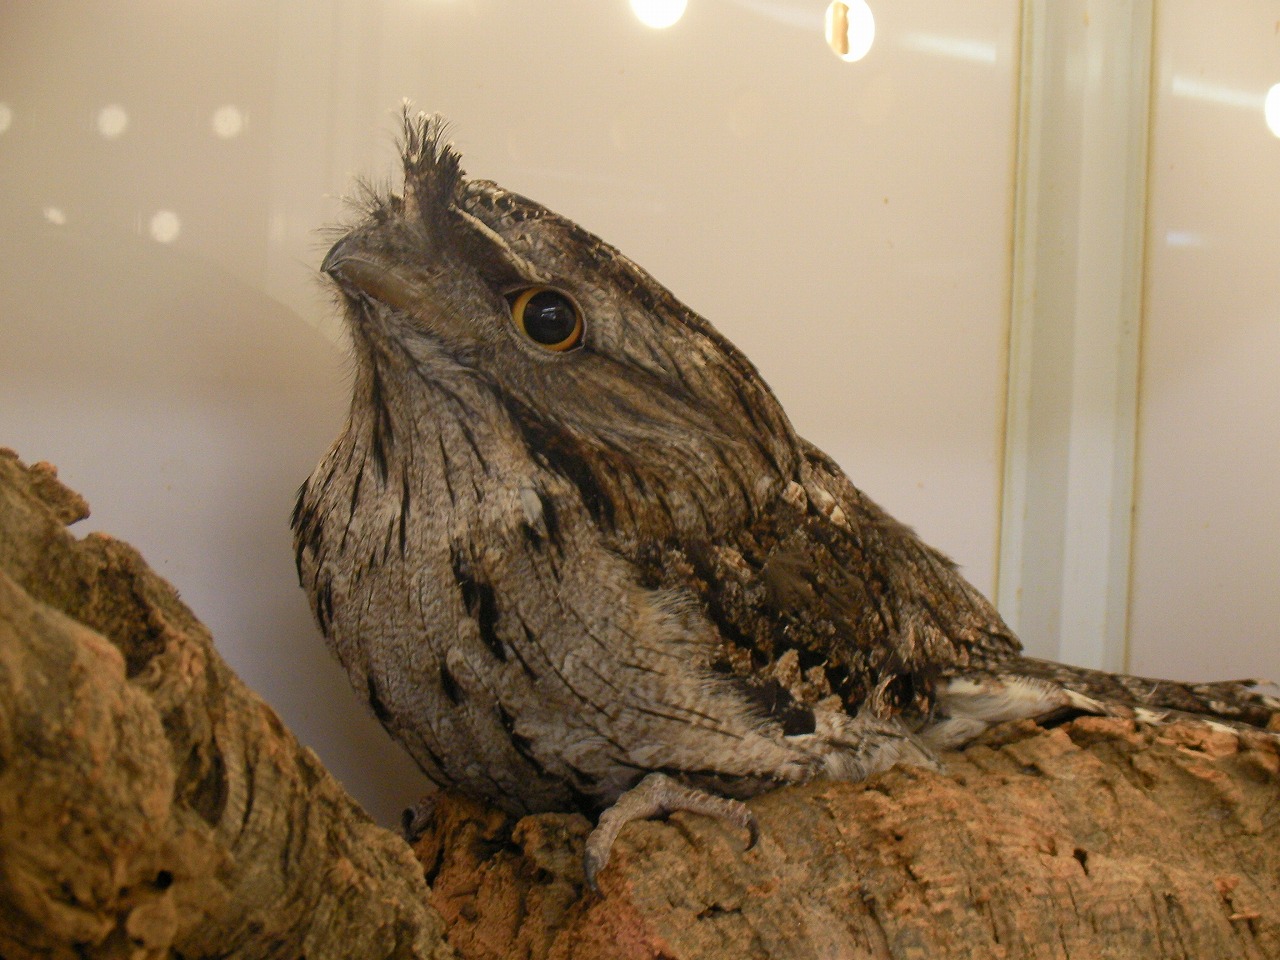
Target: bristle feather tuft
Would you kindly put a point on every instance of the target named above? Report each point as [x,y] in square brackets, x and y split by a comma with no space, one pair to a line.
[433,172]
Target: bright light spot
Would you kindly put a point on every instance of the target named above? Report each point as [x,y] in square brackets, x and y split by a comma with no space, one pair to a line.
[228,122]
[1249,100]
[1183,238]
[112,120]
[55,216]
[658,13]
[165,226]
[851,29]
[6,117]
[1271,109]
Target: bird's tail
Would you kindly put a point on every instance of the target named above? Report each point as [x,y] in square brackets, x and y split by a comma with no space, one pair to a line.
[1023,687]
[1237,703]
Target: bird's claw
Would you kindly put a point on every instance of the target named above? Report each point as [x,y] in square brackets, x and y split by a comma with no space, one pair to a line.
[655,796]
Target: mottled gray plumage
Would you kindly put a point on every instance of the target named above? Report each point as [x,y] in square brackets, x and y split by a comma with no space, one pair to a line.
[552,572]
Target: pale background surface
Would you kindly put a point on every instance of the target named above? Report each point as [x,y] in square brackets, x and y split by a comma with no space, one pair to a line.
[1206,562]
[163,170]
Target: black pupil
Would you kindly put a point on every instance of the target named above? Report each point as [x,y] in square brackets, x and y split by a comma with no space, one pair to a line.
[549,317]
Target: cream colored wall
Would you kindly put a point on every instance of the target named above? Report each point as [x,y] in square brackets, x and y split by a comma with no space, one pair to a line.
[849,225]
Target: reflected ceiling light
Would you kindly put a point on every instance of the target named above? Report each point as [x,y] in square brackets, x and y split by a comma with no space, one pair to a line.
[165,226]
[851,29]
[961,49]
[113,119]
[782,11]
[55,216]
[6,117]
[658,13]
[1198,89]
[228,122]
[1271,109]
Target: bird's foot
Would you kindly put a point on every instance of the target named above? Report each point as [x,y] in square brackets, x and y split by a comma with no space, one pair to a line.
[655,796]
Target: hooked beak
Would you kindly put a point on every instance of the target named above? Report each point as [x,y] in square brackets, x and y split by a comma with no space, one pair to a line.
[357,271]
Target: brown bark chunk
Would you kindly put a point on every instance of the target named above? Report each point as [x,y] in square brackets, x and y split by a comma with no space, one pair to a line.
[150,804]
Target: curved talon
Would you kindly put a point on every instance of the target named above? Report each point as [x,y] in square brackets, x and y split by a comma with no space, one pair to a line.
[655,796]
[593,862]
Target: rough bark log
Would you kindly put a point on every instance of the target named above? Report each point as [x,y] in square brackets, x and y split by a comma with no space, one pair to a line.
[150,804]
[1092,840]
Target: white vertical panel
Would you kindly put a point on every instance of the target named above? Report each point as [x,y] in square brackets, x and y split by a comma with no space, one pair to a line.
[1077,285]
[1206,579]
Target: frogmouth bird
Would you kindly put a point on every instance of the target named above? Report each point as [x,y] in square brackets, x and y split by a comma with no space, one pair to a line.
[571,552]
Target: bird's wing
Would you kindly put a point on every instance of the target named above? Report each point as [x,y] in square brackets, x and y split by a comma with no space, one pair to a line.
[827,594]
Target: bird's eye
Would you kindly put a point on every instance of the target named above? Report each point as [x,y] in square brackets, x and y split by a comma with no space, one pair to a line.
[548,318]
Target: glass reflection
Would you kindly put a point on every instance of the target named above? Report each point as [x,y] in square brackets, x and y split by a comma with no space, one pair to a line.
[1197,89]
[956,47]
[6,117]
[113,120]
[1183,238]
[779,12]
[658,13]
[850,29]
[1205,90]
[228,121]
[165,226]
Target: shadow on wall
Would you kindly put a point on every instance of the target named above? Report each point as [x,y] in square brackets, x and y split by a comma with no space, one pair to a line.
[187,407]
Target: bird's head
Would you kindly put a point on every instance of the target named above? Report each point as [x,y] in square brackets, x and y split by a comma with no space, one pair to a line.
[557,348]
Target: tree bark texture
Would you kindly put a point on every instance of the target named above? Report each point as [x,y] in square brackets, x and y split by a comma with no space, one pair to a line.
[152,806]
[1092,840]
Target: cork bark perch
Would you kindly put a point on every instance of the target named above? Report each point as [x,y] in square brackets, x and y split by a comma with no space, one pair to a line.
[152,806]
[1093,840]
